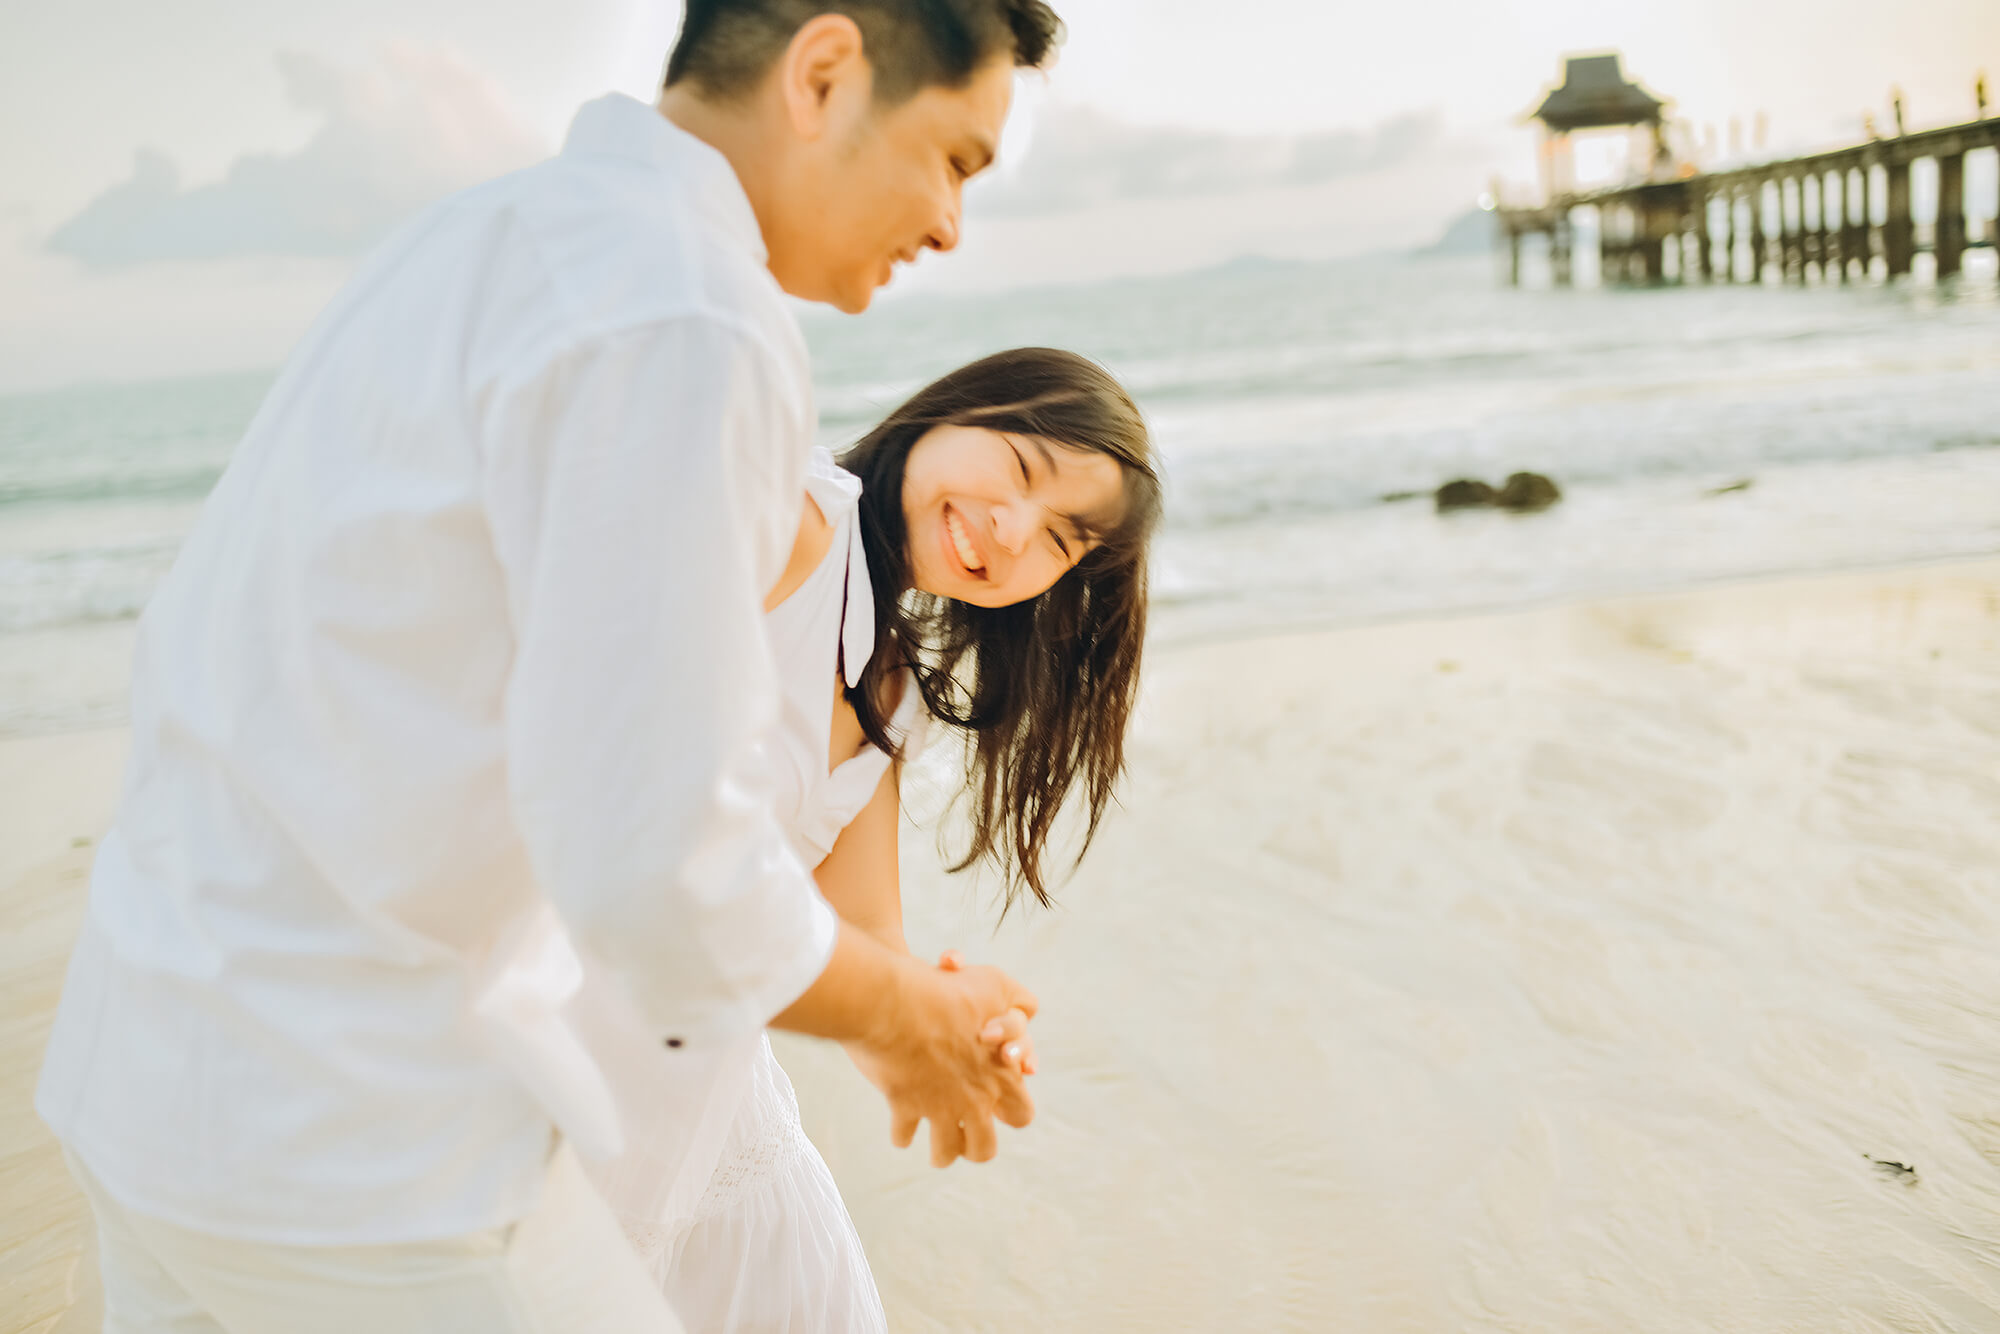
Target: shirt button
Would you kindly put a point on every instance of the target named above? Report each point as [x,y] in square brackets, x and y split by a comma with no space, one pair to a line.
[673,1042]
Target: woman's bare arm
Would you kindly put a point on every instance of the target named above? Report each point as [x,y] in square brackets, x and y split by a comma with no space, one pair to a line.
[860,877]
[862,881]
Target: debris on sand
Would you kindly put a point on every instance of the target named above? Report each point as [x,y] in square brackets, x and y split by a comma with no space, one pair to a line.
[1463,494]
[1524,493]
[1527,491]
[1889,1167]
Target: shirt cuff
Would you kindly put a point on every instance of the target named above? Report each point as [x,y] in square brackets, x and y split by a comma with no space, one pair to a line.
[782,983]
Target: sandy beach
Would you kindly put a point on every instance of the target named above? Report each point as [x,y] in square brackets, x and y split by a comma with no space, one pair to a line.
[56,796]
[1575,969]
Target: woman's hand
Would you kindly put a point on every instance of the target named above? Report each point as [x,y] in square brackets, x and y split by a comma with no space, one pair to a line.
[929,1055]
[1008,1034]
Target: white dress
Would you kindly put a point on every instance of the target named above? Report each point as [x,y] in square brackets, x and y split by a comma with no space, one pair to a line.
[722,1194]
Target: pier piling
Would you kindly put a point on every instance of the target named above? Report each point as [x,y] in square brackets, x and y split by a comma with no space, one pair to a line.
[1817,251]
[1949,242]
[1854,221]
[1864,218]
[1899,241]
[1704,243]
[1726,238]
[1759,245]
[1795,260]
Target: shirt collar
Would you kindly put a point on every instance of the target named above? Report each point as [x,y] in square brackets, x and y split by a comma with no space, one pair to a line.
[619,126]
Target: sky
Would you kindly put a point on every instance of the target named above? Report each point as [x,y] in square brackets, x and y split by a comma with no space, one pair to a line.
[186,182]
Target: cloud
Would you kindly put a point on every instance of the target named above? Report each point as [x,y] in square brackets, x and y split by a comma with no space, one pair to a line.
[394,138]
[1079,158]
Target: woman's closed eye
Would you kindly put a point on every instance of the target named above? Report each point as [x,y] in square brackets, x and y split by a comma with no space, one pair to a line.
[1028,481]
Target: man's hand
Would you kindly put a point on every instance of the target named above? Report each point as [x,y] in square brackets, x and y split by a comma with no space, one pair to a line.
[948,1045]
[1008,1034]
[934,1057]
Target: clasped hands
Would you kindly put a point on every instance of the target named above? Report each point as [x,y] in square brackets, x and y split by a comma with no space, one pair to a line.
[955,1051]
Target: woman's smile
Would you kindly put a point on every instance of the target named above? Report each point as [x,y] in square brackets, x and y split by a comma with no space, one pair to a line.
[960,546]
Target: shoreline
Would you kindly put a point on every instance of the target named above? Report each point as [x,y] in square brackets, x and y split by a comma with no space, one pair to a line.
[1164,641]
[1331,778]
[1313,625]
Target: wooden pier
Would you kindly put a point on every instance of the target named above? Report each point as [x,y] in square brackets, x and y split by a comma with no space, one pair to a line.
[1830,214]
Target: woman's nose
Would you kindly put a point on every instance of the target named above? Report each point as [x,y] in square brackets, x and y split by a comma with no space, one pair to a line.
[1011,526]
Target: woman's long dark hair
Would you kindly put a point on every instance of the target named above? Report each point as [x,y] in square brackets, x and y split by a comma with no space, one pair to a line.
[1044,687]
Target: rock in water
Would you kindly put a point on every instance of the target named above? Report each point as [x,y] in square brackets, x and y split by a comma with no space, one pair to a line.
[1463,494]
[1528,491]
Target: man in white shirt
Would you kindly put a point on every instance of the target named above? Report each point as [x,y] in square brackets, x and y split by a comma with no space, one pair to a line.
[473,624]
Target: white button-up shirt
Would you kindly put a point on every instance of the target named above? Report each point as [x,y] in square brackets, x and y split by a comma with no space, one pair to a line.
[472,625]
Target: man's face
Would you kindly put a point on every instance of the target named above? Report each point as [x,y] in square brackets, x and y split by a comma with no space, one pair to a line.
[884,185]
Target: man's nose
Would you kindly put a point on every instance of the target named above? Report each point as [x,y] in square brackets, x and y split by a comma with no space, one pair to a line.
[944,235]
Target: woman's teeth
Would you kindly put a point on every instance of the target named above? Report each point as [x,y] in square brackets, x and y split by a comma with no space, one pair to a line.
[962,543]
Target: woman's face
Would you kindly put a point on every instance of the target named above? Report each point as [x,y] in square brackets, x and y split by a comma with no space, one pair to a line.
[994,517]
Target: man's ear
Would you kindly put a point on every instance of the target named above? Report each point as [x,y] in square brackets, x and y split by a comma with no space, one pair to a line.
[824,64]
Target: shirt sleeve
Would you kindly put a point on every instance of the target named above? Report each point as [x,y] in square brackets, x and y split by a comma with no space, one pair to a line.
[643,491]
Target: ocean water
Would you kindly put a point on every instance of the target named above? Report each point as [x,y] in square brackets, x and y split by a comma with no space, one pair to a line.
[1303,411]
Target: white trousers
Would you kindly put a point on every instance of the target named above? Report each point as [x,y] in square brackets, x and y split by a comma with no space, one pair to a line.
[564,1269]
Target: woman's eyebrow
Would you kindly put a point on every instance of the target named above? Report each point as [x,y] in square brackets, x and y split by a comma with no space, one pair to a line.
[1048,455]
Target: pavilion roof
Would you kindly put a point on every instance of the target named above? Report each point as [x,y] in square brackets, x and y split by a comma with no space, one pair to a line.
[1596,93]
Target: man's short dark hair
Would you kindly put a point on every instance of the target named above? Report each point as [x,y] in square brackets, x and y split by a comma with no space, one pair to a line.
[726,46]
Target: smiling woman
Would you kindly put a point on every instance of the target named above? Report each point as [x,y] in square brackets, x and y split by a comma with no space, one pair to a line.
[1008,507]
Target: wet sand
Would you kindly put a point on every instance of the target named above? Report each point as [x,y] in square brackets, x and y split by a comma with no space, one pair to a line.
[1548,971]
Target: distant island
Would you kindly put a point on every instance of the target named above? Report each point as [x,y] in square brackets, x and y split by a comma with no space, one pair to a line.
[1473,232]
[1476,232]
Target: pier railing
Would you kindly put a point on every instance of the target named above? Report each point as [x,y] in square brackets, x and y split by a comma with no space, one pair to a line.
[1816,212]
